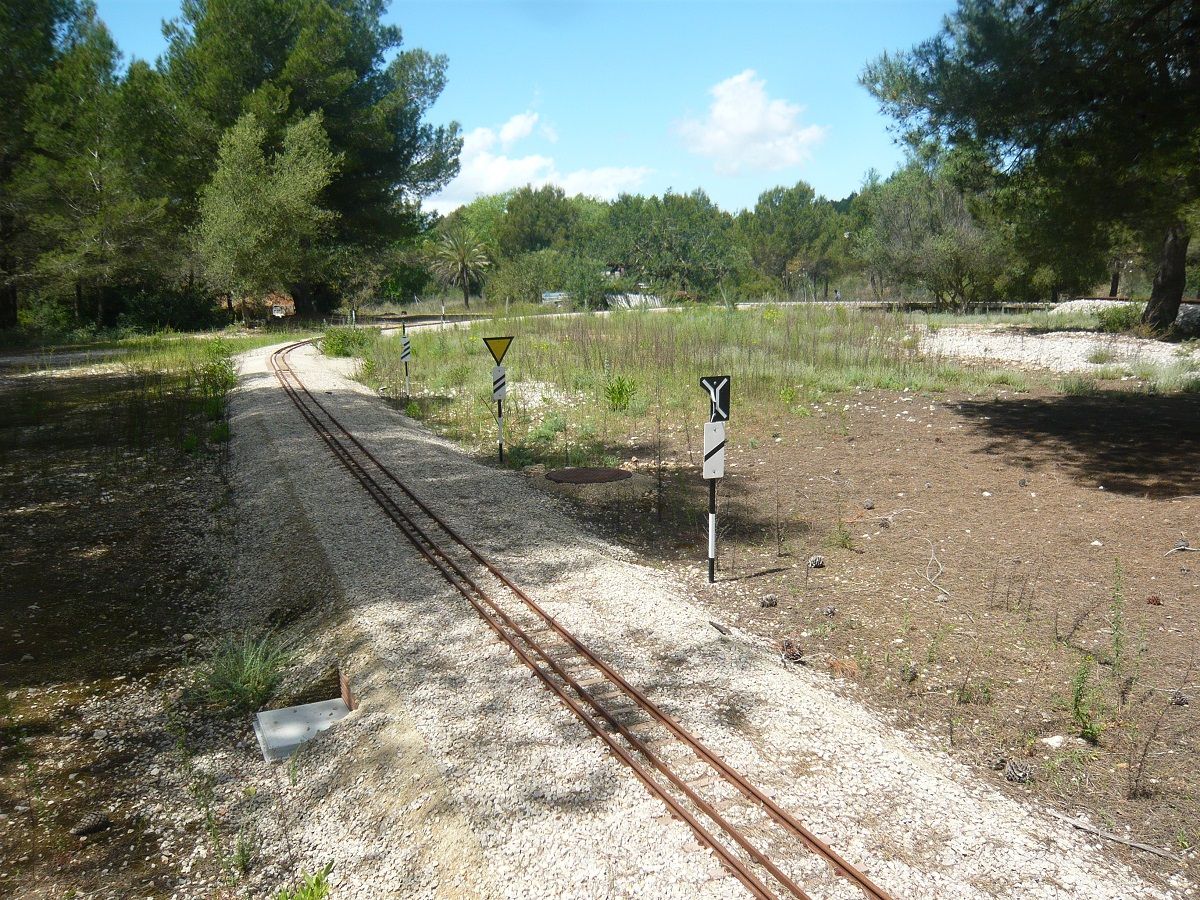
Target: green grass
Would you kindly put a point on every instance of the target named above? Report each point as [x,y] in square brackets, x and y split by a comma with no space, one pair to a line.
[623,370]
[243,672]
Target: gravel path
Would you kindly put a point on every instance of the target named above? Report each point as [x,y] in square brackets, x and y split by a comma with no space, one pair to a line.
[498,791]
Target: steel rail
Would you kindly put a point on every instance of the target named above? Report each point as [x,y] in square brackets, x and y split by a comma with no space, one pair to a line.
[482,602]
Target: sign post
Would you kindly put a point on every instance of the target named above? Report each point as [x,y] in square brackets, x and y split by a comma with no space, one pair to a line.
[405,356]
[713,468]
[498,346]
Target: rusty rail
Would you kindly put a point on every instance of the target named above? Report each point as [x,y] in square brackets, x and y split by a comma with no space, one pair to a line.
[592,699]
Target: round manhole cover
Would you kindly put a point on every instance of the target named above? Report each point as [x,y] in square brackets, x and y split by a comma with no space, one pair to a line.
[587,475]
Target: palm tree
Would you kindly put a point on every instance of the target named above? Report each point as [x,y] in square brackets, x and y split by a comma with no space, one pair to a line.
[458,257]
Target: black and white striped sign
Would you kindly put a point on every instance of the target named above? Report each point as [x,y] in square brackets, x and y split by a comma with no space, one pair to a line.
[405,349]
[714,449]
[499,383]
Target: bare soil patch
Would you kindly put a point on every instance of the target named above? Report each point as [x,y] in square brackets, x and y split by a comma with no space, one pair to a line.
[997,576]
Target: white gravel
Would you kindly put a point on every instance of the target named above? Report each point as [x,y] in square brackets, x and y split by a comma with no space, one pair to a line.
[1059,351]
[522,803]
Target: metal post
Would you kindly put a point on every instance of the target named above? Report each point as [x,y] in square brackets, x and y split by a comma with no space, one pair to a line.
[407,383]
[500,422]
[712,530]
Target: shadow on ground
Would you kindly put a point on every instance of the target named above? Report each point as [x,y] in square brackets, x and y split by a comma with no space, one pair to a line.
[1131,443]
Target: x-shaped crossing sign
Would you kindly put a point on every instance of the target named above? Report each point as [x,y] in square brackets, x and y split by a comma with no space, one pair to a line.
[718,395]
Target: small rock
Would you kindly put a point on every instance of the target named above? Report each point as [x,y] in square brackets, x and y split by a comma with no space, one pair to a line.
[868,504]
[28,657]
[1054,742]
[1097,544]
[769,601]
[987,493]
[1179,698]
[187,638]
[99,734]
[829,611]
[1024,482]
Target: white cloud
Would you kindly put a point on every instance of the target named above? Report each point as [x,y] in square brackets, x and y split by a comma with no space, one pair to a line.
[746,129]
[486,168]
[519,126]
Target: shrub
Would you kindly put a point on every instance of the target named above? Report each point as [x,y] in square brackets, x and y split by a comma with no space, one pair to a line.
[348,341]
[243,672]
[1125,317]
[219,434]
[619,392]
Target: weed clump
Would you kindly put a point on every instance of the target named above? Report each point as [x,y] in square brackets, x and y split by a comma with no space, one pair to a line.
[619,392]
[1085,708]
[1115,319]
[348,341]
[243,672]
[311,887]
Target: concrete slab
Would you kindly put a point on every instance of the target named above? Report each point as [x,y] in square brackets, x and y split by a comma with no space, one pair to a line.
[281,731]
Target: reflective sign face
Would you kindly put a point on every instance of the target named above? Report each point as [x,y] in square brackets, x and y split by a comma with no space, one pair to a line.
[718,396]
[714,450]
[499,383]
[405,349]
[498,346]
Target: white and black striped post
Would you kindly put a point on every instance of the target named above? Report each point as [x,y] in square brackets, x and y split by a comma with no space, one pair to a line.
[405,356]
[499,389]
[714,456]
[712,530]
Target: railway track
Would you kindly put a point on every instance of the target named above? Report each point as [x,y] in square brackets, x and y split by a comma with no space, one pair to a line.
[728,814]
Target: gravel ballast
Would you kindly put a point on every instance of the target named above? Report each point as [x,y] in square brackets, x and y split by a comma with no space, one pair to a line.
[461,776]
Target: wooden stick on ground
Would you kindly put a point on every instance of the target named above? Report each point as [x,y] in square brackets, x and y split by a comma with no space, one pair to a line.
[1109,836]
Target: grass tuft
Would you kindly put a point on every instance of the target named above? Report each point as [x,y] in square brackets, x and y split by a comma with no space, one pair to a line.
[243,672]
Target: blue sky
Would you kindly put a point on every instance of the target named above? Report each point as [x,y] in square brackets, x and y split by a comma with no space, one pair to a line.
[604,97]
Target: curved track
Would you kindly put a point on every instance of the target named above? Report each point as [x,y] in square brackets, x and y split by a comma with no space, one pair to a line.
[726,812]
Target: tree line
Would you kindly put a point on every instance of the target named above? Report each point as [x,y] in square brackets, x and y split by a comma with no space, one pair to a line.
[275,145]
[282,145]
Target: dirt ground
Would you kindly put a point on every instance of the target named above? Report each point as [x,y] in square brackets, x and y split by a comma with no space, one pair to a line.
[103,577]
[998,577]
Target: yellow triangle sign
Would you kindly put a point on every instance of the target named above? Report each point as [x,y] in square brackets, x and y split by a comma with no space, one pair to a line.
[498,346]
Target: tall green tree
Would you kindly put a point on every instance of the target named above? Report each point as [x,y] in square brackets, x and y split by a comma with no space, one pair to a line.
[31,35]
[282,60]
[677,242]
[537,219]
[919,230]
[263,221]
[92,228]
[1097,100]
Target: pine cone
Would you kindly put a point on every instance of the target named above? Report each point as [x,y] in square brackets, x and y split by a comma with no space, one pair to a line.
[1017,771]
[91,823]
